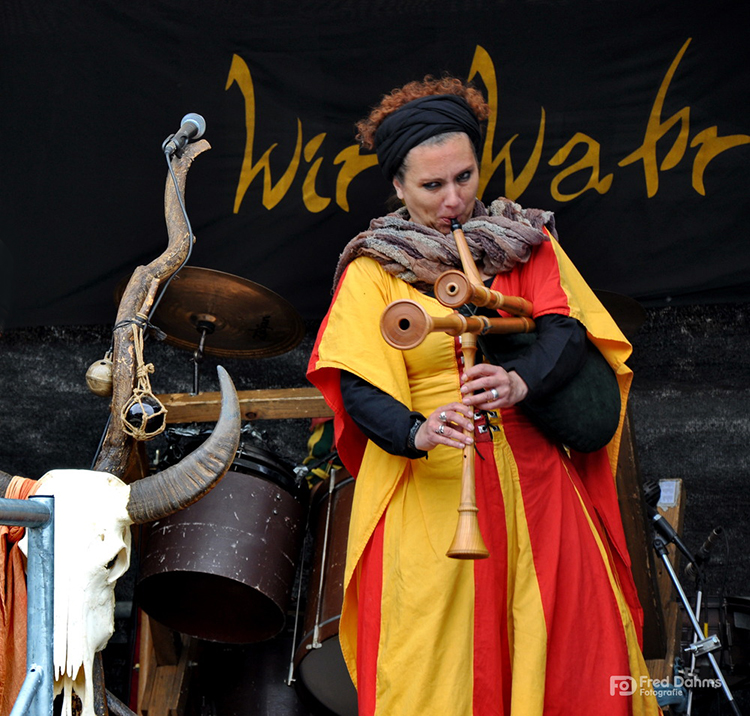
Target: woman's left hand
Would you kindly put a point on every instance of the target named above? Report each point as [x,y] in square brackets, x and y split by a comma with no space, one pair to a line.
[489,387]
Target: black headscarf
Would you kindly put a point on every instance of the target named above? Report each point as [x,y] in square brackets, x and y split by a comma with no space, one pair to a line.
[419,120]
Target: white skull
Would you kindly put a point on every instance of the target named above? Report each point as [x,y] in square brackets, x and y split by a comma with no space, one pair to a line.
[93,514]
[92,550]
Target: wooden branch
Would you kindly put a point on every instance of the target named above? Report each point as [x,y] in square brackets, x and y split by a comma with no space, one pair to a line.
[139,294]
[254,405]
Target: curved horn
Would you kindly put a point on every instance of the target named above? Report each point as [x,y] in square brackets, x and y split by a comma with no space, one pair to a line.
[162,494]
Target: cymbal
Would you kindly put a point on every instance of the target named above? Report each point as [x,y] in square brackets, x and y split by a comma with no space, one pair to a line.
[628,314]
[242,319]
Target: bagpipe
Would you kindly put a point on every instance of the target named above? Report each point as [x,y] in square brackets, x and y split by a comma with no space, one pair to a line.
[583,414]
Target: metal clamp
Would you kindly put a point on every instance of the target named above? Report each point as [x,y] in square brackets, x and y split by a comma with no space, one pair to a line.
[699,648]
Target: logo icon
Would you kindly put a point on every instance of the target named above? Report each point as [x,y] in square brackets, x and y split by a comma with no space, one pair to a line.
[621,685]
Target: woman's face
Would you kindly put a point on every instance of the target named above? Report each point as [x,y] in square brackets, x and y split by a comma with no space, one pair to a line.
[440,182]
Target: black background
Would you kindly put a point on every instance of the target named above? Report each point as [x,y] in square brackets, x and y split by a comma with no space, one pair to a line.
[91,89]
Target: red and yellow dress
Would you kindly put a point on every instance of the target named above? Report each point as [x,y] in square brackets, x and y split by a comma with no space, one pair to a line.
[548,622]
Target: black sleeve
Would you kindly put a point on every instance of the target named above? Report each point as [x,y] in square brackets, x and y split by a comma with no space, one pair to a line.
[556,355]
[385,420]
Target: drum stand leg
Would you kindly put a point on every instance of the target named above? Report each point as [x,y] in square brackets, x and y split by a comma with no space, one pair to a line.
[290,676]
[700,646]
[316,643]
[206,328]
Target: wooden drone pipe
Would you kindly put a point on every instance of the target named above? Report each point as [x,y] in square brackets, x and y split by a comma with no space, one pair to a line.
[404,324]
[467,541]
[454,289]
[467,260]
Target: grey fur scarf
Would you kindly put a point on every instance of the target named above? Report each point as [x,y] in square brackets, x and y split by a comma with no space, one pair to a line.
[498,239]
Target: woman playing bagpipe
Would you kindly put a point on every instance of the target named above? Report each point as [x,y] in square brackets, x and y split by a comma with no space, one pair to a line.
[550,621]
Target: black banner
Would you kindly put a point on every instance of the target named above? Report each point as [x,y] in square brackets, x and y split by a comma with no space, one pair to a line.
[629,120]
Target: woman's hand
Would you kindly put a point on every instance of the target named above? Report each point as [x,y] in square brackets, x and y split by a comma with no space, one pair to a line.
[445,426]
[494,387]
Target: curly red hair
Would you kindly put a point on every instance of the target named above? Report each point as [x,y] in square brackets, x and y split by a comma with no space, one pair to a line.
[400,96]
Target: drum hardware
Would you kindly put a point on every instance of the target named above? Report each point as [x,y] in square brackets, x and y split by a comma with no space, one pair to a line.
[704,646]
[306,468]
[303,471]
[290,674]
[317,667]
[206,328]
[306,472]
[701,645]
[728,619]
[665,534]
[316,644]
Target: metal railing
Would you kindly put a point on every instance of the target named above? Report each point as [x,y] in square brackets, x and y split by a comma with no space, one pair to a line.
[37,515]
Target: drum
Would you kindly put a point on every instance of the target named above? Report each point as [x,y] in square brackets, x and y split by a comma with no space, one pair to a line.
[223,568]
[320,671]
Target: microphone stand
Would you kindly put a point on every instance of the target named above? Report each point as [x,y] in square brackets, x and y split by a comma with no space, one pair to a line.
[694,570]
[693,656]
[700,646]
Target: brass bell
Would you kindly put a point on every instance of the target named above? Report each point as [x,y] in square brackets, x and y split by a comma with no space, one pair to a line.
[99,376]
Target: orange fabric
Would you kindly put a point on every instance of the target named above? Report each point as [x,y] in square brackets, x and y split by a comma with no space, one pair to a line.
[13,602]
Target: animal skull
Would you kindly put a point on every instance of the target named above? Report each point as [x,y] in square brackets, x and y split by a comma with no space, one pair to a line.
[93,515]
[92,550]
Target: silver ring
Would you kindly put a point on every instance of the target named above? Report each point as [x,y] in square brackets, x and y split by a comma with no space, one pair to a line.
[441,430]
[493,393]
[442,417]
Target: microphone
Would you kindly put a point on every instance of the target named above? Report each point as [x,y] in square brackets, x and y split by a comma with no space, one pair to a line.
[704,553]
[652,492]
[193,127]
[662,526]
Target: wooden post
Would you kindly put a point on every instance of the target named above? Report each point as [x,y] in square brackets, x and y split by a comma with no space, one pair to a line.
[165,671]
[661,628]
[639,539]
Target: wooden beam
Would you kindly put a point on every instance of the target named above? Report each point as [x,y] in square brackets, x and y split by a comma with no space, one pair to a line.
[638,537]
[663,668]
[254,405]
